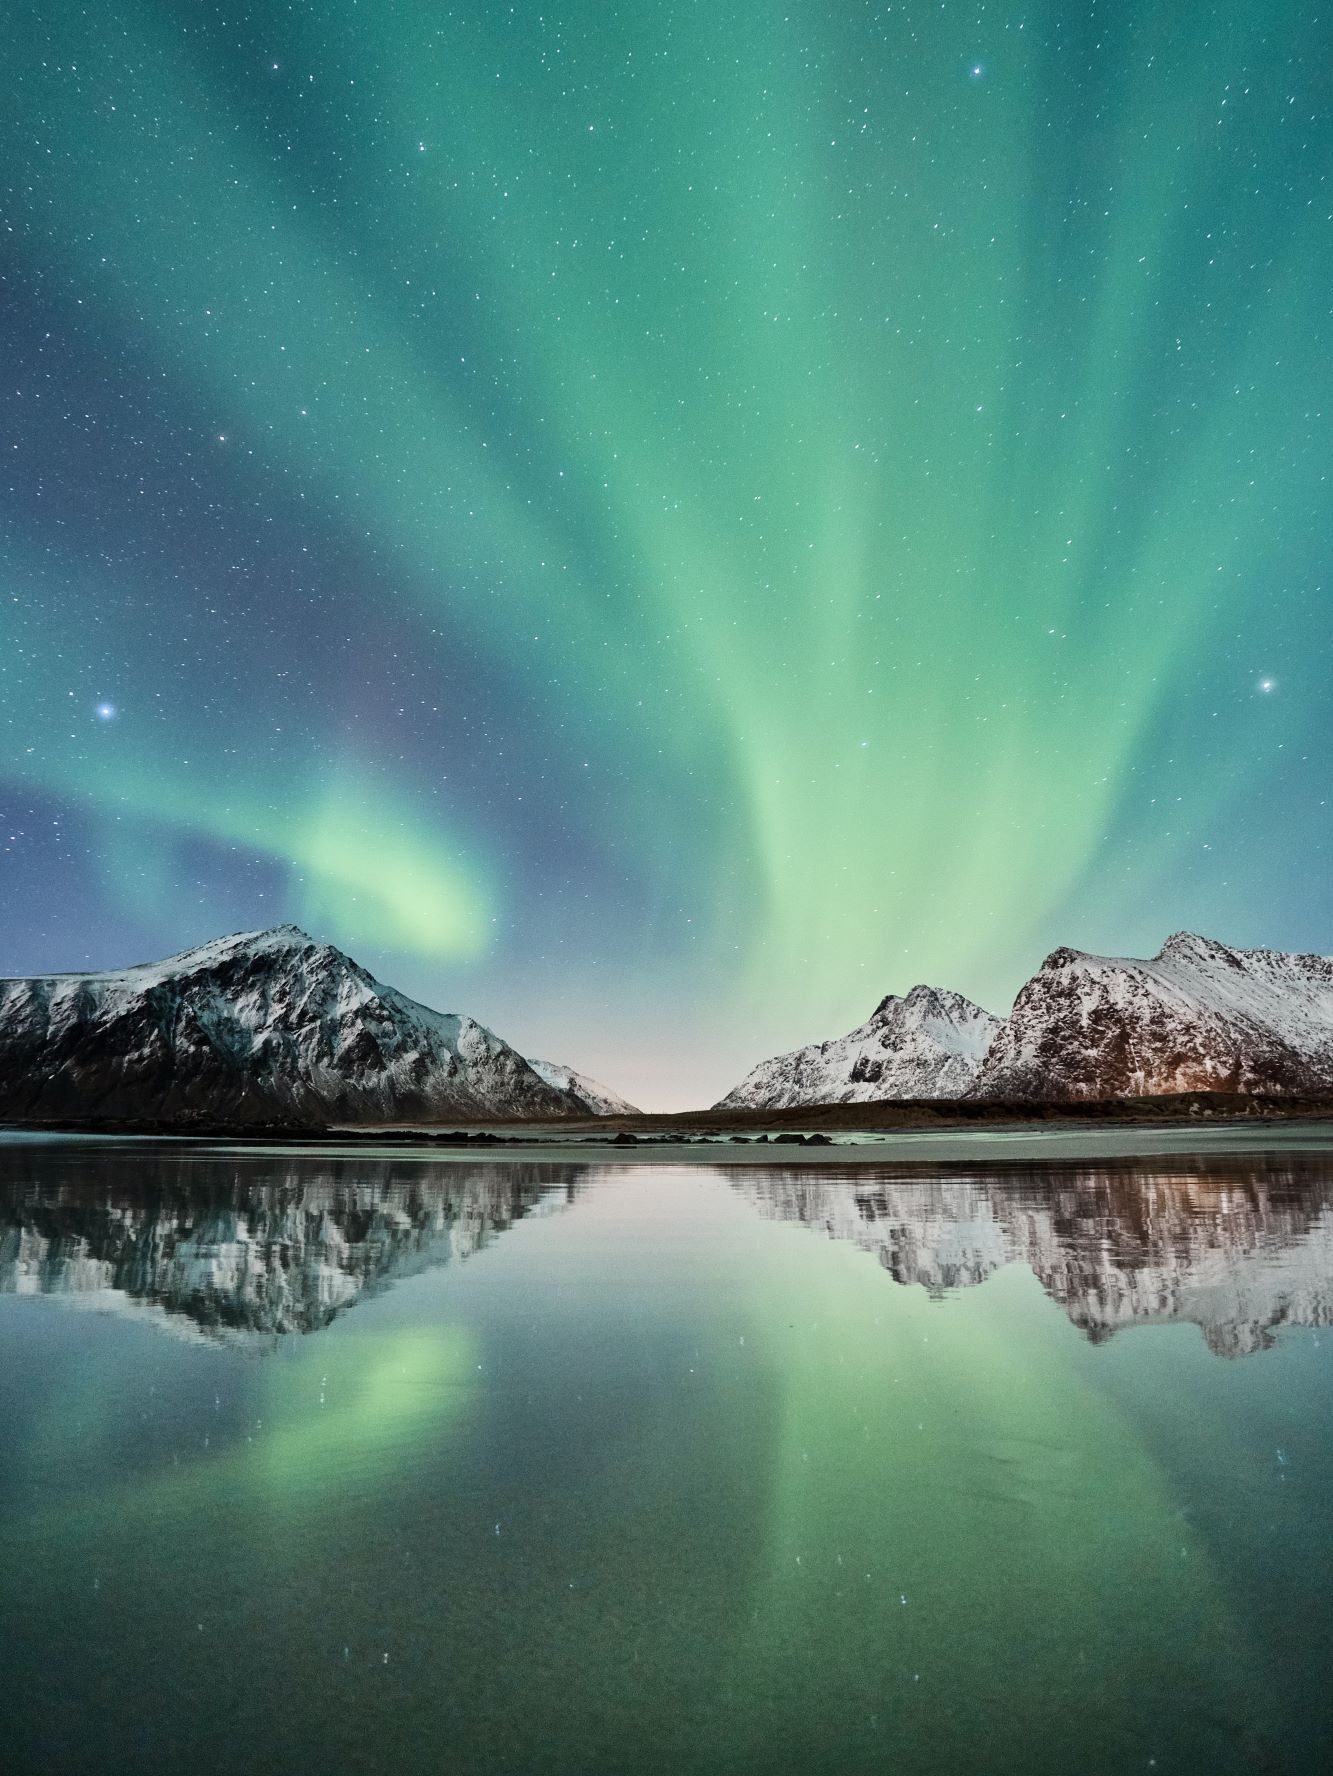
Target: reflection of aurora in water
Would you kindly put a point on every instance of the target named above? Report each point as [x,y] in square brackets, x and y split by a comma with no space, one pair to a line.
[655,1482]
[734,503]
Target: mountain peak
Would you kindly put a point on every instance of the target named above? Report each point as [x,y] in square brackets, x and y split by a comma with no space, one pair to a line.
[926,1044]
[917,997]
[1198,1016]
[256,1027]
[1064,957]
[272,938]
[1192,944]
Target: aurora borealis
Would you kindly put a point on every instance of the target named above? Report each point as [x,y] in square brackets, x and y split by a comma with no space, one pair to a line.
[656,525]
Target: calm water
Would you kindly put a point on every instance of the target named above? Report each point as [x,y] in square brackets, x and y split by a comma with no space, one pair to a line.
[362,1464]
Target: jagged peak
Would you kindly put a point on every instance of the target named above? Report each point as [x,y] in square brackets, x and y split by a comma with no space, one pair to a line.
[272,940]
[273,937]
[1064,957]
[1192,943]
[277,941]
[269,937]
[886,1004]
[922,994]
[924,997]
[1181,945]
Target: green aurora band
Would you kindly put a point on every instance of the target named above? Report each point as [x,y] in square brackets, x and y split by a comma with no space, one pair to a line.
[866,465]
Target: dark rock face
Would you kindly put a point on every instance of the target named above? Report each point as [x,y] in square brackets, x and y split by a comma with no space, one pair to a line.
[263,1028]
[1198,1016]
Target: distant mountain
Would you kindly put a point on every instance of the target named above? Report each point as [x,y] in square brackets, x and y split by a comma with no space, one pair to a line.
[1197,1017]
[265,1027]
[596,1099]
[927,1045]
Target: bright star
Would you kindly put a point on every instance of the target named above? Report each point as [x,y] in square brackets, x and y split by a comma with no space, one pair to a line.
[1267,684]
[977,70]
[106,712]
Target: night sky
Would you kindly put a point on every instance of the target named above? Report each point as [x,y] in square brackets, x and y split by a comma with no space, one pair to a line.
[657,524]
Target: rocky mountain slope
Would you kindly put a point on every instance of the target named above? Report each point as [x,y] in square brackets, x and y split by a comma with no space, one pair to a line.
[1198,1016]
[598,1100]
[263,1027]
[926,1045]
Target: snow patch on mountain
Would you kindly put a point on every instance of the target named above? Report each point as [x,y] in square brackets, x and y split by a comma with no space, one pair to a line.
[597,1099]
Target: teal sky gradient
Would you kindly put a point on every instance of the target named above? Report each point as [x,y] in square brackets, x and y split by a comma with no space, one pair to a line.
[657,525]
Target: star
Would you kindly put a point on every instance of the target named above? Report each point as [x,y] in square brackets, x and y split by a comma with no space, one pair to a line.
[105,712]
[1267,684]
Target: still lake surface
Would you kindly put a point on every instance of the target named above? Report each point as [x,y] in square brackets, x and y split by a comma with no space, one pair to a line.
[375,1462]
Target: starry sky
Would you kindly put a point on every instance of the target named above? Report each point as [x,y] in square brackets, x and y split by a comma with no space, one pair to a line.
[656,524]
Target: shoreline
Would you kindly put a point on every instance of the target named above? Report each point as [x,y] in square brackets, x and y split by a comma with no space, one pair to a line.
[897,1132]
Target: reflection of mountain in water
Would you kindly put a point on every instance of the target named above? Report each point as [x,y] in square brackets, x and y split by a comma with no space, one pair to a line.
[241,1247]
[1239,1247]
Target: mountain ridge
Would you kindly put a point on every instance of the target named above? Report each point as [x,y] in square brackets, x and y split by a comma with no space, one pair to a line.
[273,1029]
[1200,1016]
[265,1027]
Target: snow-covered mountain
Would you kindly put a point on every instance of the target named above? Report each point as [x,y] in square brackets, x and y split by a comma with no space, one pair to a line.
[926,1045]
[1197,1017]
[262,1027]
[598,1100]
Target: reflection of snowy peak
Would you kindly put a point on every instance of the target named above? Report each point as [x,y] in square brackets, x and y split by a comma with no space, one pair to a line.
[596,1099]
[1237,1250]
[942,1236]
[264,1027]
[236,1262]
[1235,1256]
[927,1045]
[1197,1017]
